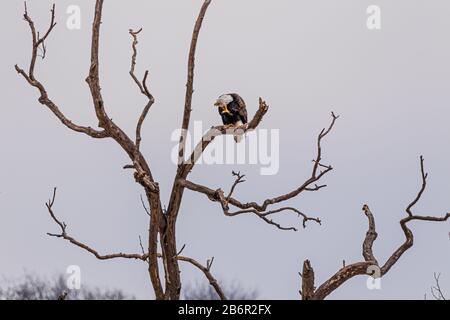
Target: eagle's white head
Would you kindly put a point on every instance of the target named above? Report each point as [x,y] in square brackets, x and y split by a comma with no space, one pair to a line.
[223,100]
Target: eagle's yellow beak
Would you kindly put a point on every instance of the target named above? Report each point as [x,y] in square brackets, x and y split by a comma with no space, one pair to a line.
[222,107]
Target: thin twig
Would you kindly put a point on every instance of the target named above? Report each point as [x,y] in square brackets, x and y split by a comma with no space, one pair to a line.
[144,206]
[142,87]
[206,271]
[72,240]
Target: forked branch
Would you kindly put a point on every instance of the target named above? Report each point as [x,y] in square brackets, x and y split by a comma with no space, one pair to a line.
[81,245]
[370,263]
[436,290]
[29,76]
[142,85]
[261,210]
[207,272]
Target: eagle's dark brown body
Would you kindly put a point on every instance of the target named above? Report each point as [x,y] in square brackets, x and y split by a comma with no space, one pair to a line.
[233,112]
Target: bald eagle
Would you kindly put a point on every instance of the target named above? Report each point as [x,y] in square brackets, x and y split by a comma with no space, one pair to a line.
[233,111]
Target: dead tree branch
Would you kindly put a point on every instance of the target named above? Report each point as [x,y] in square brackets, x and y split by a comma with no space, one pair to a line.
[261,210]
[218,196]
[436,290]
[81,245]
[31,79]
[207,272]
[190,77]
[307,276]
[364,267]
[142,85]
[168,243]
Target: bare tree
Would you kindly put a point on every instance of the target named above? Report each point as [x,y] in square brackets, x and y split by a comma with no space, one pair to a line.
[233,291]
[33,287]
[370,266]
[162,242]
[162,223]
[436,290]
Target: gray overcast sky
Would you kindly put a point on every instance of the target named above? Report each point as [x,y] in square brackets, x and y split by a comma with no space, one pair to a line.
[306,58]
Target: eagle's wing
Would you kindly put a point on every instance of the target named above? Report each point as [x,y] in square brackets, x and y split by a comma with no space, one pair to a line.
[242,108]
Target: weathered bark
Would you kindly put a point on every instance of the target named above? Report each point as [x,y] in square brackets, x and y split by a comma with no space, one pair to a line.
[307,281]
